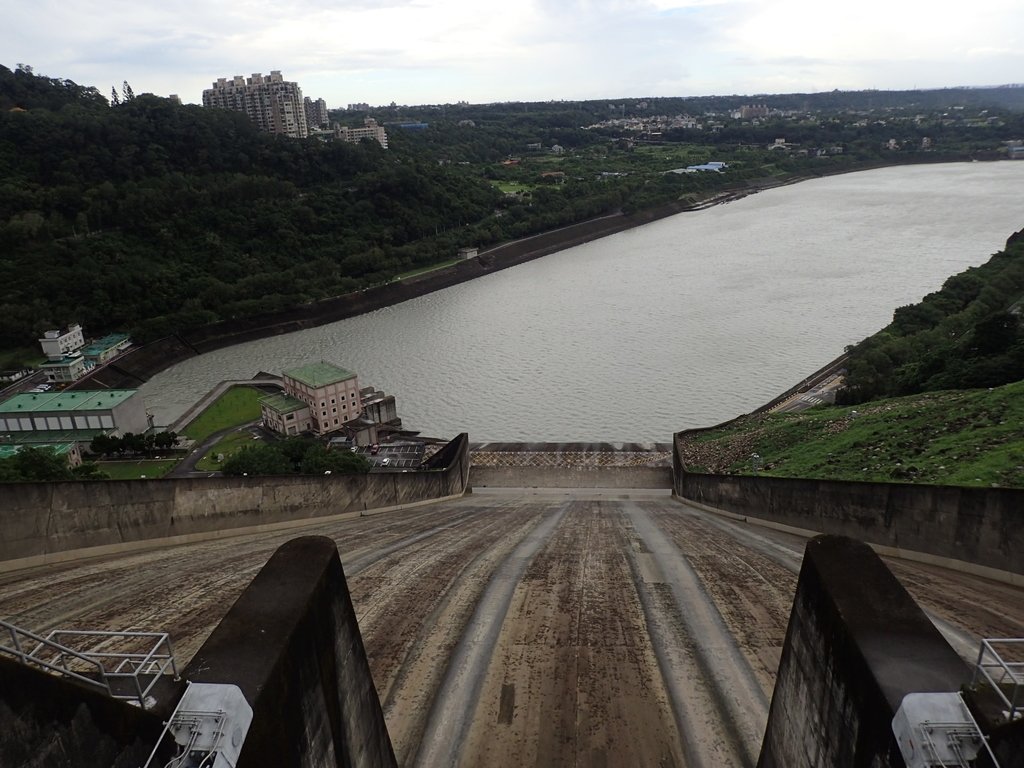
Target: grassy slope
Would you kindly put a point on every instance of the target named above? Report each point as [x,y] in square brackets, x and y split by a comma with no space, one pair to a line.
[969,437]
[239,405]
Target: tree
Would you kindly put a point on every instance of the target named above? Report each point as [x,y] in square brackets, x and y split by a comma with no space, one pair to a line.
[105,445]
[34,465]
[319,460]
[258,460]
[129,94]
[165,440]
[114,98]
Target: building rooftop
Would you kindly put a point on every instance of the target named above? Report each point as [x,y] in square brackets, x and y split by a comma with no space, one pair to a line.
[319,374]
[79,400]
[6,451]
[283,403]
[102,345]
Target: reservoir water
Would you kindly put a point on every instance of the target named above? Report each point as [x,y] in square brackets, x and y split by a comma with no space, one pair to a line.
[684,322]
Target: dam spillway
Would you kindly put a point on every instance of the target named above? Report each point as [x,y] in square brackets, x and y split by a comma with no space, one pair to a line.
[602,643]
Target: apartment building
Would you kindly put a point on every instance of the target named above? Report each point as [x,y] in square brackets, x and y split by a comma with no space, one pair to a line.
[274,104]
[370,130]
[316,113]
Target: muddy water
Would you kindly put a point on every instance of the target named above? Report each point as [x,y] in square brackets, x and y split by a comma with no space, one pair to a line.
[684,322]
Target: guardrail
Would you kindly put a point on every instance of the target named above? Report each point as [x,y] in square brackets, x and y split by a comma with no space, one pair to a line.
[1001,674]
[121,674]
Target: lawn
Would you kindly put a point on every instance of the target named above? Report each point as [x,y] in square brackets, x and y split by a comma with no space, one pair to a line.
[228,446]
[135,470]
[239,405]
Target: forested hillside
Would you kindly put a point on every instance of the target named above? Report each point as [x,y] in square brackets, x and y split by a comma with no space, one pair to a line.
[966,335]
[150,216]
[155,216]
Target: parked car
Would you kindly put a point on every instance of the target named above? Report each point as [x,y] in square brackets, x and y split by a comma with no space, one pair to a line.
[375,449]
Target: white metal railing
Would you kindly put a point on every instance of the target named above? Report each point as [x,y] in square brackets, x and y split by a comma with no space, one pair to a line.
[1006,678]
[122,674]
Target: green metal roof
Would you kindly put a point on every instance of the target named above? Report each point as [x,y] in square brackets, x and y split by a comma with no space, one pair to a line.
[76,400]
[283,403]
[6,451]
[102,345]
[319,374]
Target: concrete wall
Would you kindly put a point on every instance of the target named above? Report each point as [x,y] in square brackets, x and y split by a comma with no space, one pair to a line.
[857,643]
[568,477]
[980,527]
[49,522]
[292,644]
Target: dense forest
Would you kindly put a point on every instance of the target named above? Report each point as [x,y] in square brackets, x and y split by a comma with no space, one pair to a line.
[146,215]
[966,335]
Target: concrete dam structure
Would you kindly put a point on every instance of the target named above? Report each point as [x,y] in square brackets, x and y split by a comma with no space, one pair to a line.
[506,626]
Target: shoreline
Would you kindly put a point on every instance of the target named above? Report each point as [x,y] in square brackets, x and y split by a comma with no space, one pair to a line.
[142,363]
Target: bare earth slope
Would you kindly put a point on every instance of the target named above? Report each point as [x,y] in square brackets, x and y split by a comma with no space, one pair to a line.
[530,629]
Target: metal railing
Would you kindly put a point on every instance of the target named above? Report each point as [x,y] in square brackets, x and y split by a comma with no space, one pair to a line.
[1006,678]
[121,674]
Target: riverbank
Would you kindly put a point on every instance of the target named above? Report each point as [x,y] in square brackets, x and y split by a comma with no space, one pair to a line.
[141,364]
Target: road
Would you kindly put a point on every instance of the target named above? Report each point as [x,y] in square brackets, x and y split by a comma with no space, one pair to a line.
[515,628]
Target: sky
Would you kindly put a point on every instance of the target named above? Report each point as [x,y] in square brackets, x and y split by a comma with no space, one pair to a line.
[444,51]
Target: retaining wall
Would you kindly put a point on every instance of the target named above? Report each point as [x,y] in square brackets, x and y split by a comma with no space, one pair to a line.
[857,643]
[50,522]
[568,477]
[975,529]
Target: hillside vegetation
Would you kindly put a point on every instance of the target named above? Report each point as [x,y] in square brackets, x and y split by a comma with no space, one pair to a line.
[154,217]
[950,438]
[961,348]
[966,335]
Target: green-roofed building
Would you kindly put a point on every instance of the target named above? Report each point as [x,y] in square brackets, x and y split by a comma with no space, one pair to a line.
[71,451]
[114,411]
[285,414]
[319,397]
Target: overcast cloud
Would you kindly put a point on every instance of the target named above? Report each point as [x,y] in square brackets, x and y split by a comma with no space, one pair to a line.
[437,51]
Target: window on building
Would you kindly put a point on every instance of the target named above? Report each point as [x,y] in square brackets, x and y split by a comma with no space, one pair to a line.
[334,410]
[335,421]
[289,417]
[324,413]
[332,401]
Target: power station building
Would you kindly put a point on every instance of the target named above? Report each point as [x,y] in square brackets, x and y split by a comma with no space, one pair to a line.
[108,410]
[321,398]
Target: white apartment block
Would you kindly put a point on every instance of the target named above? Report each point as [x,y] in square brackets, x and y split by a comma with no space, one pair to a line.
[57,343]
[274,104]
[370,130]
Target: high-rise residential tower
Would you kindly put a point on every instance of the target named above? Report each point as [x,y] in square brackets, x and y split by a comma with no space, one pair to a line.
[274,104]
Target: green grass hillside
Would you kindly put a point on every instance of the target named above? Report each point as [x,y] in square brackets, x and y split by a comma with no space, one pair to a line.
[961,437]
